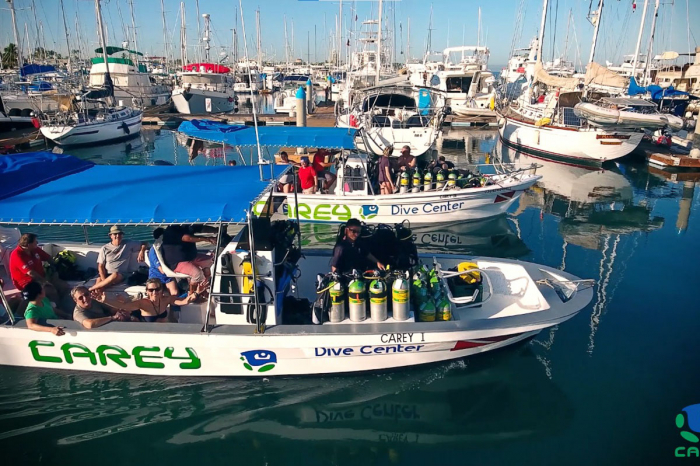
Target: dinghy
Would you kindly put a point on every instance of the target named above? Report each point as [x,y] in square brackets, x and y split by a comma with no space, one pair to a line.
[258,320]
[626,113]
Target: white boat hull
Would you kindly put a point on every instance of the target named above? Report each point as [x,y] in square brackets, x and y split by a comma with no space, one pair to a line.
[93,133]
[569,145]
[200,102]
[454,205]
[421,140]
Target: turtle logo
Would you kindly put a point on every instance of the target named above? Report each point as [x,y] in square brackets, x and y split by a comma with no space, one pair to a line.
[259,360]
[368,211]
[689,420]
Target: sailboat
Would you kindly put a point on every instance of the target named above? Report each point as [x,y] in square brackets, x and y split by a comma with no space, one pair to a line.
[93,118]
[543,120]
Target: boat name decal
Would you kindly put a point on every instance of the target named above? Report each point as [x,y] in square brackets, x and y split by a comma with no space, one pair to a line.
[612,136]
[367,350]
[428,208]
[392,411]
[402,337]
[144,357]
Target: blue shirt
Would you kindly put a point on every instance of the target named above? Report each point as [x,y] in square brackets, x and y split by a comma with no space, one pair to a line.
[153,271]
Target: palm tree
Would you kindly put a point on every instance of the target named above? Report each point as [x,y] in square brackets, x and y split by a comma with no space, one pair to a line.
[9,55]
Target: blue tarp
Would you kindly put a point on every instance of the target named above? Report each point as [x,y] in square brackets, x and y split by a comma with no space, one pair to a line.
[656,92]
[132,194]
[270,136]
[30,69]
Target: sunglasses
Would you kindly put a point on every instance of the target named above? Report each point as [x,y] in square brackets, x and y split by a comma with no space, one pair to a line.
[354,230]
[153,290]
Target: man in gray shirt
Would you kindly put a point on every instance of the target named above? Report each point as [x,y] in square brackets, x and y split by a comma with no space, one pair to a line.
[114,258]
[91,313]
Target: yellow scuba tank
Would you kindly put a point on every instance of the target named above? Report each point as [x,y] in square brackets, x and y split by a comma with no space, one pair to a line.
[247,270]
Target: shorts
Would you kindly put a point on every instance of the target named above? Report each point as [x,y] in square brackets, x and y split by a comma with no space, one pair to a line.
[326,175]
[287,179]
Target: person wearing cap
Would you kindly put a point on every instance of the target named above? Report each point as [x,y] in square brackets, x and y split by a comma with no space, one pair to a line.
[321,167]
[113,261]
[350,253]
[307,177]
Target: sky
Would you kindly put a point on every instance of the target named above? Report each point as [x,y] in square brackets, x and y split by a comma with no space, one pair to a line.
[454,22]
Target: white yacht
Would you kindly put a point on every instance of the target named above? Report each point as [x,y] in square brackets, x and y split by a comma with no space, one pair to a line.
[133,84]
[204,88]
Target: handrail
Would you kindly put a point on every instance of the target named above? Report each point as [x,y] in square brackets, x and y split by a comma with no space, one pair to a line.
[444,275]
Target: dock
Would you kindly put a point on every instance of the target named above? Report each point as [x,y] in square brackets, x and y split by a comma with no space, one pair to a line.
[20,139]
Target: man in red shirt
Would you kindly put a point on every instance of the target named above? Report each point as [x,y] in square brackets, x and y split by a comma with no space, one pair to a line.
[26,265]
[321,167]
[307,177]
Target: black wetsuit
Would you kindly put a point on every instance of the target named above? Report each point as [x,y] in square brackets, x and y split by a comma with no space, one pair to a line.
[349,256]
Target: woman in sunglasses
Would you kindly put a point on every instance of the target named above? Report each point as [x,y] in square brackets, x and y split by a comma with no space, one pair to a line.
[154,307]
[350,254]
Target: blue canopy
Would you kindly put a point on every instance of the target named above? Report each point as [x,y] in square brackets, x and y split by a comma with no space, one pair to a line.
[72,191]
[275,136]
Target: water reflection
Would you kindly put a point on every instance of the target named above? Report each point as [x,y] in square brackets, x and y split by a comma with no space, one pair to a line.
[491,237]
[505,395]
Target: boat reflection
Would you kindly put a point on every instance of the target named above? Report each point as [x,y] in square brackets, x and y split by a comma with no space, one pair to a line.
[490,237]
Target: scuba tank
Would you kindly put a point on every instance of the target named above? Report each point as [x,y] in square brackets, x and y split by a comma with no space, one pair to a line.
[400,295]
[428,181]
[444,309]
[404,182]
[419,289]
[434,283]
[440,180]
[337,295]
[416,181]
[426,312]
[320,303]
[451,180]
[357,298]
[377,299]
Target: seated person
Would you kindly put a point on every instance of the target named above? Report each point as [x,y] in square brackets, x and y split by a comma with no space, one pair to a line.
[39,309]
[179,252]
[322,169]
[26,265]
[114,258]
[154,307]
[287,180]
[350,254]
[441,164]
[155,270]
[92,314]
[307,177]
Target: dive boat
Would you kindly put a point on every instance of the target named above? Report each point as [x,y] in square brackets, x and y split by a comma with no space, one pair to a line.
[253,328]
[420,199]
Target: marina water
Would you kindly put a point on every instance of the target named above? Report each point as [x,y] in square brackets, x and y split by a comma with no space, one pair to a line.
[604,388]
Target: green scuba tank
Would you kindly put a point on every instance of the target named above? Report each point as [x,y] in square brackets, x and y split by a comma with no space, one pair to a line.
[444,309]
[377,300]
[426,312]
[416,181]
[428,181]
[440,180]
[337,295]
[451,180]
[357,299]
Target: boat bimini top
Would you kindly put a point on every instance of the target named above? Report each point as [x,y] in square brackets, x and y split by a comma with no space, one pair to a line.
[56,189]
[269,136]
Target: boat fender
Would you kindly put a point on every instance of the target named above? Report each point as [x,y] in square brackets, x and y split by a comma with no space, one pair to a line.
[544,121]
[247,270]
[125,127]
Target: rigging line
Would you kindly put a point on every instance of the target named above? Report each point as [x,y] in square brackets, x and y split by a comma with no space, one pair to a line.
[121,20]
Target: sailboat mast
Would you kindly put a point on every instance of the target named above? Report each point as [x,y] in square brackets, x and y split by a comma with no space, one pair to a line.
[38,34]
[257,28]
[408,41]
[206,37]
[647,63]
[540,39]
[103,43]
[478,30]
[18,43]
[635,61]
[165,34]
[183,35]
[379,44]
[598,15]
[133,26]
[65,31]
